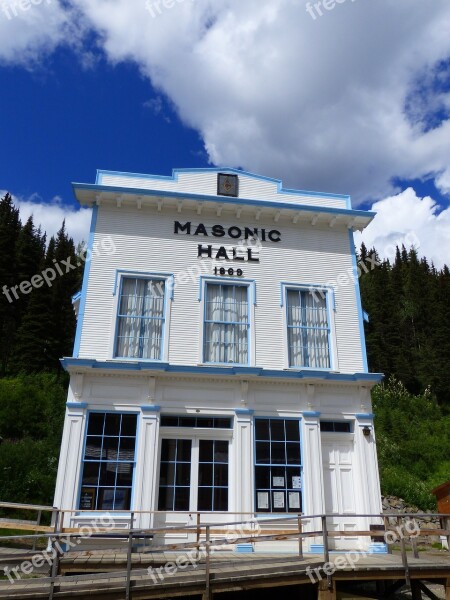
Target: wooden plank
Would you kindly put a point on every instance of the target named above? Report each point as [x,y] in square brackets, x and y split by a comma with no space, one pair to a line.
[24,526]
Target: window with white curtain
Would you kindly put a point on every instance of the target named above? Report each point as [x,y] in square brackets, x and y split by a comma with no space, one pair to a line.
[140,319]
[227,325]
[308,329]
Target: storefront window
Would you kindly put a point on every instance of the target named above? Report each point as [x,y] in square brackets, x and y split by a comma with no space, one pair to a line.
[108,462]
[278,468]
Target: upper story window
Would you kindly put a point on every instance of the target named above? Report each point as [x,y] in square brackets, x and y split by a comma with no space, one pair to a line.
[227,324]
[308,329]
[140,319]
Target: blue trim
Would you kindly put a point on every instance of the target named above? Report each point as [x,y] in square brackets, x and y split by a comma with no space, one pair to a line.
[241,371]
[311,413]
[316,549]
[244,548]
[76,296]
[378,548]
[365,416]
[81,462]
[223,200]
[150,408]
[177,172]
[76,404]
[87,268]
[167,277]
[366,316]
[251,283]
[358,301]
[244,411]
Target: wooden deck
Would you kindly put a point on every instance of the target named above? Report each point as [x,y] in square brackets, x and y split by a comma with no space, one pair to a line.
[229,572]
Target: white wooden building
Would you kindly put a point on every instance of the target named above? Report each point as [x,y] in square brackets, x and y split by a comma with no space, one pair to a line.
[219,364]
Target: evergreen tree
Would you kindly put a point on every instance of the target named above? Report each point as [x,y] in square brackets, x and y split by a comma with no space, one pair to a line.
[9,233]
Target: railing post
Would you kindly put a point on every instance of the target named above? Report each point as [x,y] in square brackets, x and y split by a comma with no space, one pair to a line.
[447,527]
[38,522]
[326,549]
[129,557]
[198,535]
[300,537]
[404,555]
[55,563]
[387,527]
[207,594]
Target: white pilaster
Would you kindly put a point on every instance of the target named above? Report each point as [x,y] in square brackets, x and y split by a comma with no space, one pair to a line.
[70,458]
[313,495]
[243,462]
[145,484]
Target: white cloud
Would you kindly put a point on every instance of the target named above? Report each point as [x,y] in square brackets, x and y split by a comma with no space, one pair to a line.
[319,103]
[50,215]
[410,220]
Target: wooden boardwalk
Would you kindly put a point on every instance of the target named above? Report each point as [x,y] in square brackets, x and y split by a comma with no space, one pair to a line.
[229,572]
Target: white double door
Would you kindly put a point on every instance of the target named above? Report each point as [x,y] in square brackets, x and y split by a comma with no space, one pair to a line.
[340,492]
[193,477]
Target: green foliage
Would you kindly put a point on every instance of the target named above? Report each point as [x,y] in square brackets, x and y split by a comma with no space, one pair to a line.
[31,419]
[413,441]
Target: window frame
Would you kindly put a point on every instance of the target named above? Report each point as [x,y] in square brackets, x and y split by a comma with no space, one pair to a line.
[285,489]
[82,461]
[330,304]
[168,279]
[251,302]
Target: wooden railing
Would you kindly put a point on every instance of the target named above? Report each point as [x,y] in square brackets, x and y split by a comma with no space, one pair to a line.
[205,541]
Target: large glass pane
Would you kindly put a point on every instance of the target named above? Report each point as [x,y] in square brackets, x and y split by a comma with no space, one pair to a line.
[262,429]
[292,431]
[112,424]
[96,422]
[181,498]
[90,473]
[108,473]
[166,498]
[220,499]
[277,430]
[205,498]
[183,474]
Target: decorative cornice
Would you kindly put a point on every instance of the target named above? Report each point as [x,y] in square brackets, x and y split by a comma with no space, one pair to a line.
[147,367]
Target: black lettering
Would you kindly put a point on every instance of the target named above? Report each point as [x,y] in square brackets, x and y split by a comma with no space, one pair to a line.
[274,236]
[222,253]
[179,227]
[235,257]
[202,250]
[200,229]
[250,257]
[218,231]
[263,235]
[237,230]
[250,233]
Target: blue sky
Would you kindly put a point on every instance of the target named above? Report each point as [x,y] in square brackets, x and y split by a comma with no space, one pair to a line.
[355,101]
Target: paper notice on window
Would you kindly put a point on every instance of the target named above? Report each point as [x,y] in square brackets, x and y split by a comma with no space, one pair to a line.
[294,500]
[297,482]
[263,500]
[278,499]
[278,481]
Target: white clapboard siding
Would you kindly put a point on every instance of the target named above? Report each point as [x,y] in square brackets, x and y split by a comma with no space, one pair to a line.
[205,182]
[145,242]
